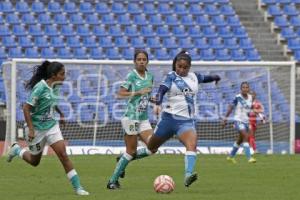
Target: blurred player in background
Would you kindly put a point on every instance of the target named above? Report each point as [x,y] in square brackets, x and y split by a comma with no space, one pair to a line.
[42,127]
[135,122]
[181,87]
[257,111]
[242,104]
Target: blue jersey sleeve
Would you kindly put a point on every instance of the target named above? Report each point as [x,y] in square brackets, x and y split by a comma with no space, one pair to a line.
[235,101]
[168,80]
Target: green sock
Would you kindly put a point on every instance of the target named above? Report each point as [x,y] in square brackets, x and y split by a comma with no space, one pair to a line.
[74,179]
[121,165]
[142,153]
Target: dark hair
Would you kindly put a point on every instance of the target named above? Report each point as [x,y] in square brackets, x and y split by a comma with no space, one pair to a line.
[245,82]
[138,51]
[182,55]
[44,71]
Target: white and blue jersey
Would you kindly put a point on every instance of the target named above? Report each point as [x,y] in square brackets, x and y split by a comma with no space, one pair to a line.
[178,111]
[242,110]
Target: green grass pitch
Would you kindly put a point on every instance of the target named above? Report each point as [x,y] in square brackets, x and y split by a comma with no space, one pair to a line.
[274,177]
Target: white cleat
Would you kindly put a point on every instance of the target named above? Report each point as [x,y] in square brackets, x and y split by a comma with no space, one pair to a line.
[82,192]
[12,152]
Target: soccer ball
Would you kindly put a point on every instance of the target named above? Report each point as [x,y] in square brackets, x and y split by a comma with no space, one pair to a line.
[164,184]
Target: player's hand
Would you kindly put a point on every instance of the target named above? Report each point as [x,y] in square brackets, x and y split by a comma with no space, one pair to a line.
[152,99]
[31,135]
[144,91]
[157,110]
[217,79]
[62,120]
[224,123]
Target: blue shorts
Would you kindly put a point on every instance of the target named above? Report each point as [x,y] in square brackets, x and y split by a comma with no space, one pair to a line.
[240,126]
[170,124]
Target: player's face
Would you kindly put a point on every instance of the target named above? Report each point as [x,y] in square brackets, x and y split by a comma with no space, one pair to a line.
[182,67]
[141,62]
[245,89]
[60,76]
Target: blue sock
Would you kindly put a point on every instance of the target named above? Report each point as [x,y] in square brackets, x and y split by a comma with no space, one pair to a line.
[74,178]
[121,165]
[247,150]
[235,148]
[189,161]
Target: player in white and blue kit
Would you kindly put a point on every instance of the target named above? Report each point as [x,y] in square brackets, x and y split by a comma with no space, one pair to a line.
[243,105]
[181,87]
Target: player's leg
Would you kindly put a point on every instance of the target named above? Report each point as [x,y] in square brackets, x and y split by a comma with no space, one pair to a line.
[244,133]
[188,137]
[252,142]
[237,143]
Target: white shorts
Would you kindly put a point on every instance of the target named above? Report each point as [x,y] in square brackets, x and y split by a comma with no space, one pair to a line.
[42,138]
[135,127]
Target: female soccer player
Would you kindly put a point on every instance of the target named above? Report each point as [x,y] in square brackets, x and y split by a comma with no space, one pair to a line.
[242,104]
[257,111]
[181,87]
[42,127]
[135,122]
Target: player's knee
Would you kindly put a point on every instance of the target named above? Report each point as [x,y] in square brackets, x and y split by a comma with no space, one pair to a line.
[35,163]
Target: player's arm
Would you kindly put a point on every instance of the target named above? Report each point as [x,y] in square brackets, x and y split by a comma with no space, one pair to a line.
[207,78]
[162,90]
[27,115]
[229,111]
[124,92]
[61,114]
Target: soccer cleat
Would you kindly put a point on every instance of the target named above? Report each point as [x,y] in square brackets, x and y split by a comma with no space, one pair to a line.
[122,174]
[190,179]
[230,159]
[81,192]
[113,186]
[252,160]
[13,152]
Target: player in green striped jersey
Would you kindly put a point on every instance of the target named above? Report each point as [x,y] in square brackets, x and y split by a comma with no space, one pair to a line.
[42,127]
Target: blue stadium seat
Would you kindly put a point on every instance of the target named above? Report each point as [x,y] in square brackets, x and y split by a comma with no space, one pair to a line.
[51,30]
[164,9]
[47,53]
[86,8]
[54,7]
[233,21]
[100,30]
[219,20]
[209,32]
[231,43]
[18,30]
[246,43]
[162,54]
[83,30]
[22,7]
[147,31]
[237,55]
[37,7]
[137,42]
[196,10]
[25,41]
[113,53]
[6,7]
[281,21]
[156,20]
[90,42]
[102,8]
[108,19]
[170,43]
[133,8]
[76,19]
[9,41]
[2,53]
[194,54]
[122,42]
[1,20]
[12,18]
[131,31]
[225,32]
[187,20]
[124,19]
[223,55]
[73,42]
[28,18]
[105,42]
[15,52]
[201,43]
[118,8]
[296,54]
[153,42]
[35,30]
[41,41]
[70,7]
[295,21]
[294,44]
[149,9]
[185,43]
[227,10]
[240,32]
[274,10]
[207,54]
[179,31]
[61,19]
[291,10]
[44,19]
[31,53]
[211,9]
[180,9]
[115,31]
[97,53]
[253,55]
[64,53]
[163,31]
[203,20]
[92,19]
[171,20]
[57,42]
[80,53]
[216,43]
[128,53]
[195,32]
[269,1]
